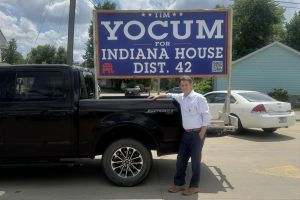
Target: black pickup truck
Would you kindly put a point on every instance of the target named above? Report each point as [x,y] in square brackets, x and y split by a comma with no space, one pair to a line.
[46,114]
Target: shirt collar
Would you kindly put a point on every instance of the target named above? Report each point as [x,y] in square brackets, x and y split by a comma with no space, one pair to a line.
[190,95]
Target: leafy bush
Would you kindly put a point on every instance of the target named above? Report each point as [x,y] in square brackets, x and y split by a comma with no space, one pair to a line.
[203,86]
[279,94]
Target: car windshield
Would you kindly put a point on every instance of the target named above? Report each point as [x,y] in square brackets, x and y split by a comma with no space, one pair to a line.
[256,96]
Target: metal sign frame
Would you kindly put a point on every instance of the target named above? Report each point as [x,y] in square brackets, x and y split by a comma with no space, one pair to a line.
[228,44]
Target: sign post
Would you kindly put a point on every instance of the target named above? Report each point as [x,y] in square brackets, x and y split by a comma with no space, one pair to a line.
[95,42]
[162,44]
[229,75]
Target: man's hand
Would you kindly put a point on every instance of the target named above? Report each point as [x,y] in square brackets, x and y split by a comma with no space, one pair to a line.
[202,132]
[157,96]
[153,97]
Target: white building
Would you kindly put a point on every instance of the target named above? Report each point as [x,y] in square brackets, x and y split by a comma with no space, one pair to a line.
[273,66]
[3,44]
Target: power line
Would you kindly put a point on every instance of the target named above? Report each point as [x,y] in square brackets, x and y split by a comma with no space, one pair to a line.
[92,3]
[61,21]
[291,7]
[288,7]
[39,31]
[288,2]
[46,16]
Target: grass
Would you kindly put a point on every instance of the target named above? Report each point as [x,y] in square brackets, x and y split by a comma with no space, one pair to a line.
[297,109]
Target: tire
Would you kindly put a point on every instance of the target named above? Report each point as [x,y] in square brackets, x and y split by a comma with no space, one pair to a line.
[269,130]
[240,126]
[122,171]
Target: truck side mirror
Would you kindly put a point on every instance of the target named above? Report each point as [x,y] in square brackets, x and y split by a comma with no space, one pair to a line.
[91,95]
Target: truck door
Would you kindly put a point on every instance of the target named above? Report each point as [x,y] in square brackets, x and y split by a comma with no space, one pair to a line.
[7,78]
[39,119]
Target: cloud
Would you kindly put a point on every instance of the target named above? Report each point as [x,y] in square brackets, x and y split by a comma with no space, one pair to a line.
[53,11]
[34,23]
[136,4]
[196,4]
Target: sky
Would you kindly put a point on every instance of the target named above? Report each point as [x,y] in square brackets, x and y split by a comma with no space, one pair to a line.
[39,22]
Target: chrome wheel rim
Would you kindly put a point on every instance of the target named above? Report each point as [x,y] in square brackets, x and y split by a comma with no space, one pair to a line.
[127,162]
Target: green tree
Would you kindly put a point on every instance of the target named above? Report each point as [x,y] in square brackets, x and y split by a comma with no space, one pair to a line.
[293,32]
[256,23]
[42,54]
[61,56]
[279,94]
[89,50]
[219,6]
[11,55]
[47,54]
[202,86]
[168,83]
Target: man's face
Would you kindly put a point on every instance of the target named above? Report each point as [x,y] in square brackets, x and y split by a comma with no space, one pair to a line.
[186,87]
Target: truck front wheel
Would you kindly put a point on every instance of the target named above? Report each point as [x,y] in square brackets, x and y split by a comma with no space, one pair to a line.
[126,162]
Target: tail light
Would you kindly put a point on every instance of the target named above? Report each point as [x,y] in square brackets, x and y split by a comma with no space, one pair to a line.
[259,108]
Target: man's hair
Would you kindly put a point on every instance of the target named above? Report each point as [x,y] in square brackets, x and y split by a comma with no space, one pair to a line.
[186,78]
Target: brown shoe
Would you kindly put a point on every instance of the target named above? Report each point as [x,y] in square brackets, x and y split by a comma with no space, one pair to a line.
[176,188]
[191,190]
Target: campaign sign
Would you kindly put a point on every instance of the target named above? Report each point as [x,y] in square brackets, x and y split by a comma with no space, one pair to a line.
[161,43]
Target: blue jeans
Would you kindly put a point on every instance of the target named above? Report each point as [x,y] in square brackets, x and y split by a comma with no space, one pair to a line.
[190,147]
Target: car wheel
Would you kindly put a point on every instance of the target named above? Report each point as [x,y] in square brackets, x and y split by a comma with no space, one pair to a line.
[126,162]
[240,126]
[269,130]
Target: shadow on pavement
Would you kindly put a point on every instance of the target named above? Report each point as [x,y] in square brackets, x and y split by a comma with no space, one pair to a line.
[212,178]
[85,180]
[261,136]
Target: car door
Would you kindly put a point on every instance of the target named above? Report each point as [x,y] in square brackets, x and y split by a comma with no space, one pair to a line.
[216,103]
[39,119]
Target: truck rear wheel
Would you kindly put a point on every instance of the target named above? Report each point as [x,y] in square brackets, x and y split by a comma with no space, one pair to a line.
[126,162]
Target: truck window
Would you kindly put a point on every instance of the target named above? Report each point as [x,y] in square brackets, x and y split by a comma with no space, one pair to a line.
[39,86]
[87,85]
[90,85]
[83,90]
[7,84]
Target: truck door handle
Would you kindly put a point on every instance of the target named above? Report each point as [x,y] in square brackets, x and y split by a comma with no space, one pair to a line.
[55,113]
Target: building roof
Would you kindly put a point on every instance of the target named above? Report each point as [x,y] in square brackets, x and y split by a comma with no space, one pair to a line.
[276,43]
[3,42]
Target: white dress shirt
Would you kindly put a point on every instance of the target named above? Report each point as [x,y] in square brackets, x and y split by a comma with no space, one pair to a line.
[194,109]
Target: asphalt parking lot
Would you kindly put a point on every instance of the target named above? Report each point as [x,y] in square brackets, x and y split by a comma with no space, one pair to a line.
[253,165]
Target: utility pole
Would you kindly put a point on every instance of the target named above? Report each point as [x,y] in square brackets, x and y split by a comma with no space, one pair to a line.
[158,86]
[71,32]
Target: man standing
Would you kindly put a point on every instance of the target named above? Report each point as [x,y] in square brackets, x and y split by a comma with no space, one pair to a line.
[195,119]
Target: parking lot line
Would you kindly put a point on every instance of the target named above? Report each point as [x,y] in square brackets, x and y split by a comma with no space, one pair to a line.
[289,171]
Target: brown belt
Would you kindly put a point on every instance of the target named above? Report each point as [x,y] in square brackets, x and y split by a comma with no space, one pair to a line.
[192,130]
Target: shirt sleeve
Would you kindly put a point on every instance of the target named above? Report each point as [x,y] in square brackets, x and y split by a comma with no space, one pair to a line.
[173,96]
[203,109]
